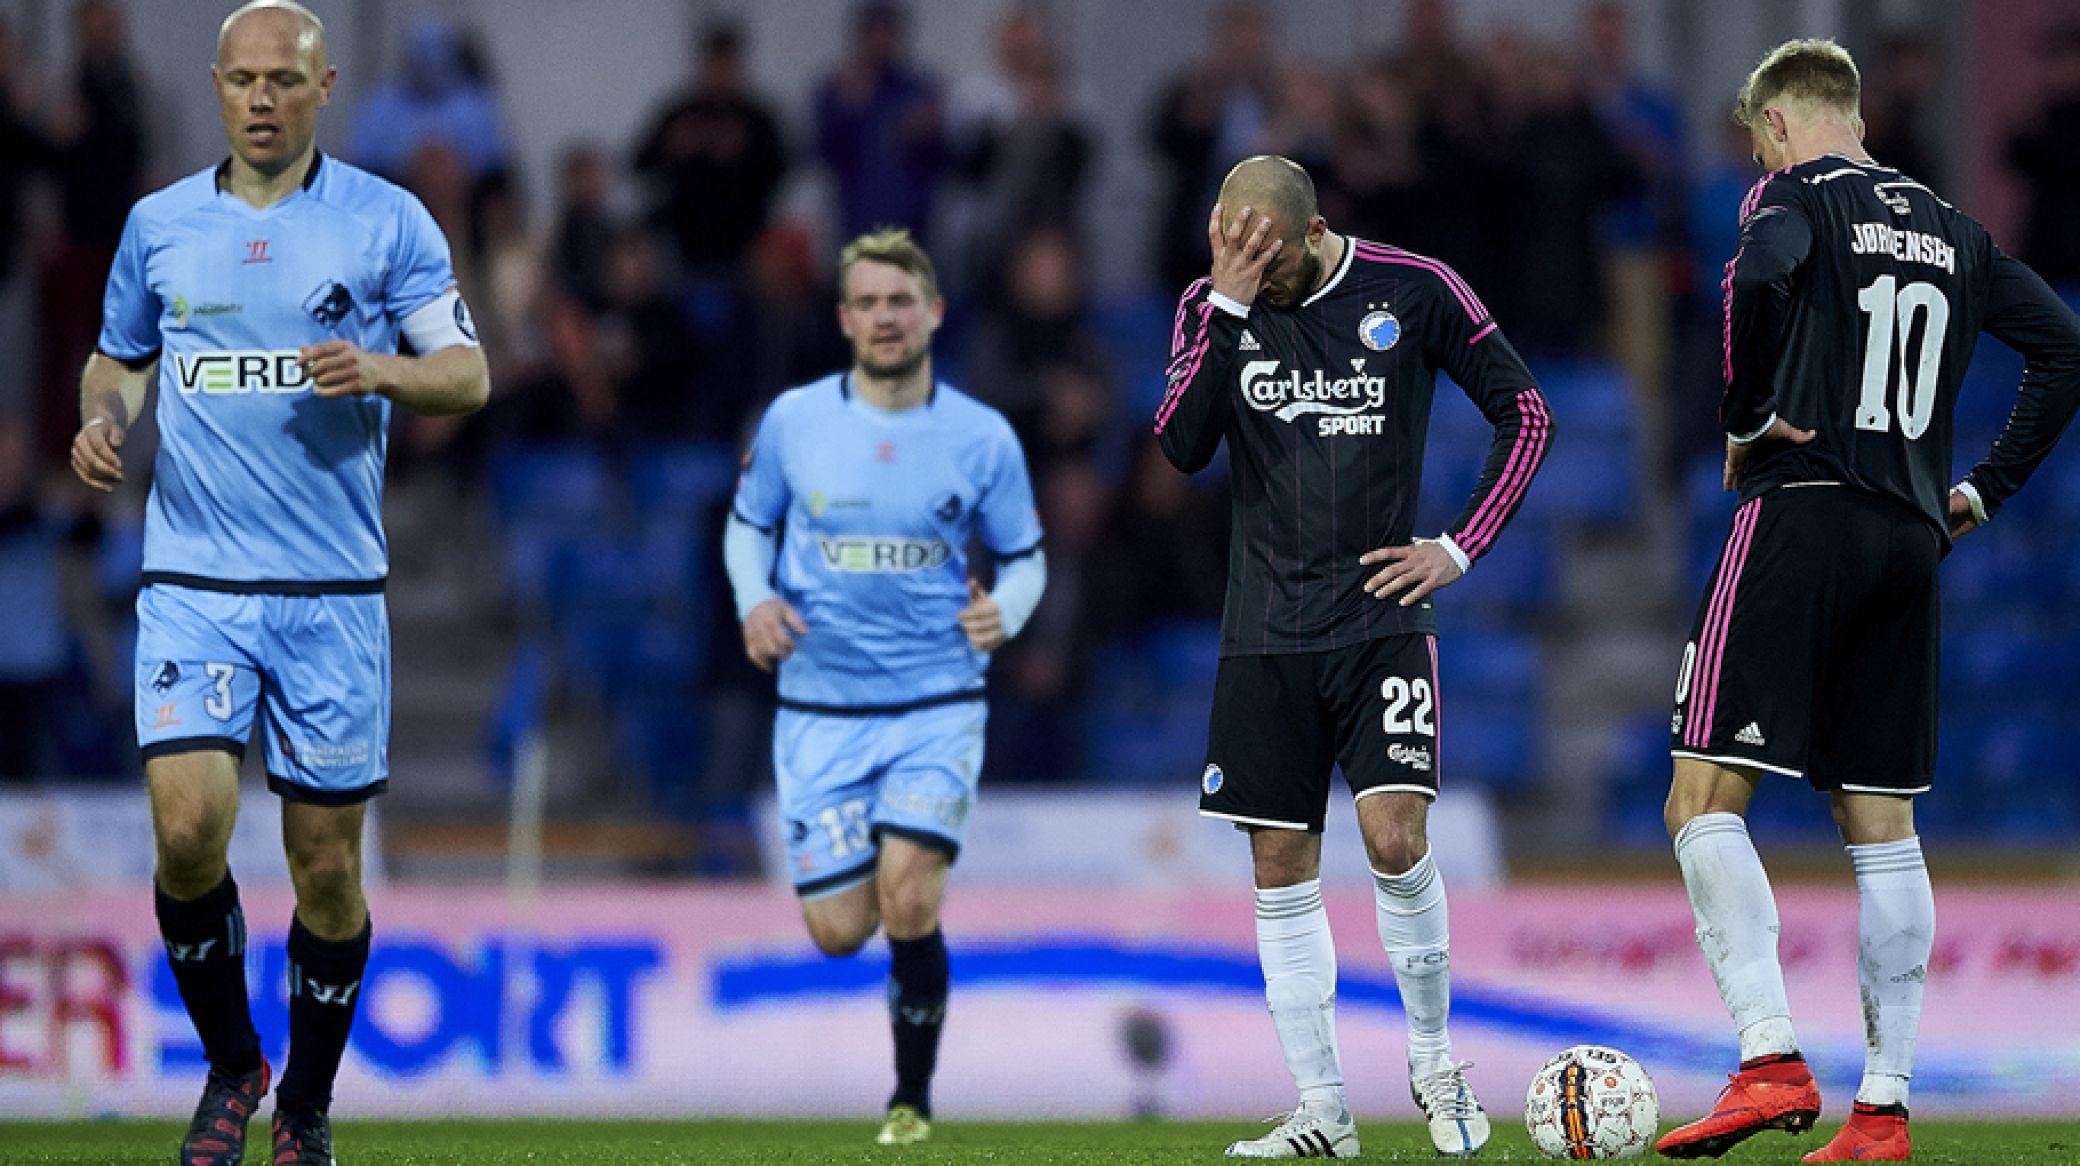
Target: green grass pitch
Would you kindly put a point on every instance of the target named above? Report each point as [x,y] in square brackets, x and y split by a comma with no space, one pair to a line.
[642,1143]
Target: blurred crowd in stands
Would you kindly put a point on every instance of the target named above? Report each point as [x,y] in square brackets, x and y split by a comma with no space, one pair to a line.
[636,332]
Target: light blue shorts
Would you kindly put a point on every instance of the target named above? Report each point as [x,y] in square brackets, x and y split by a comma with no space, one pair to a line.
[316,666]
[847,780]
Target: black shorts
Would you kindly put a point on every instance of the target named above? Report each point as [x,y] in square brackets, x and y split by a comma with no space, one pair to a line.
[1281,722]
[1815,648]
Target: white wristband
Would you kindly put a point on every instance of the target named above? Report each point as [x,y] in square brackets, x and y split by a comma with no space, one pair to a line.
[1971,495]
[1738,439]
[1458,556]
[1233,307]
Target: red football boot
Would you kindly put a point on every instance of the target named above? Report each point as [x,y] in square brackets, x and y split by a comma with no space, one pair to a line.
[1874,1133]
[1769,1093]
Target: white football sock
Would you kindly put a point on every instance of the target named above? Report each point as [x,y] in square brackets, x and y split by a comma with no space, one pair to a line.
[1737,929]
[1299,961]
[1415,928]
[1895,932]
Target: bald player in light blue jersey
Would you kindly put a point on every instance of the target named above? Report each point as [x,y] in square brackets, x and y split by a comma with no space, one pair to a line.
[265,298]
[848,549]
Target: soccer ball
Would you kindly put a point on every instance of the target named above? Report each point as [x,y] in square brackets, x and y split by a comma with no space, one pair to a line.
[1592,1102]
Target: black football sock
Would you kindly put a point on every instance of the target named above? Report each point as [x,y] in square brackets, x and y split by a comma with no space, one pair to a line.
[916,1011]
[206,944]
[324,987]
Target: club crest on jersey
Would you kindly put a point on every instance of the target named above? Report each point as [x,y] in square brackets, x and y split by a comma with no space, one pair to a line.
[329,303]
[1213,779]
[1379,331]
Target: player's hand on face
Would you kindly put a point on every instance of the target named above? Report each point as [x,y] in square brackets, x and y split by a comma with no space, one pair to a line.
[982,620]
[97,455]
[1962,520]
[1243,246]
[769,632]
[1411,572]
[1737,454]
[337,368]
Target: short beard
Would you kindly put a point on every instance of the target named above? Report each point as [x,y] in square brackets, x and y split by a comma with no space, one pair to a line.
[899,368]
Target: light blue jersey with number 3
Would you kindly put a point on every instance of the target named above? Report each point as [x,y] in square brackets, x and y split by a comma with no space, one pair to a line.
[258,480]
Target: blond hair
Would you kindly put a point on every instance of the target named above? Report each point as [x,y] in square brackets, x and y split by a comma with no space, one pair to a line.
[1809,70]
[895,247]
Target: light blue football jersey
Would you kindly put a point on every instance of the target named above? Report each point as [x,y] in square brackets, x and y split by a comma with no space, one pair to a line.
[879,509]
[258,480]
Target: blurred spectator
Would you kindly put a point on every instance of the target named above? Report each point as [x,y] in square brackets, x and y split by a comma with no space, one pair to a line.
[1166,547]
[1559,163]
[34,642]
[435,98]
[879,128]
[1304,120]
[2047,157]
[573,395]
[1208,119]
[584,227]
[1384,188]
[510,274]
[1643,229]
[715,160]
[651,346]
[1456,150]
[784,332]
[23,152]
[99,165]
[1897,95]
[1031,160]
[1038,323]
[1035,731]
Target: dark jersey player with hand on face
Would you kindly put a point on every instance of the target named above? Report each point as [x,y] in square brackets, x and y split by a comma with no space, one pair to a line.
[1315,356]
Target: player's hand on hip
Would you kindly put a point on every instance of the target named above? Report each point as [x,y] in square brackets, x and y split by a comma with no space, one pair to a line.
[1962,520]
[339,368]
[1411,572]
[982,620]
[1737,452]
[1243,247]
[97,453]
[769,632]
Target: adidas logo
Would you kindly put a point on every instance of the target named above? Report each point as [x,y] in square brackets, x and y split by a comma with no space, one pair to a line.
[1752,735]
[1249,342]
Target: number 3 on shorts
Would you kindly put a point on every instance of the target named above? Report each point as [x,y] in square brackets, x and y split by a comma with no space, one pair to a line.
[1399,693]
[218,703]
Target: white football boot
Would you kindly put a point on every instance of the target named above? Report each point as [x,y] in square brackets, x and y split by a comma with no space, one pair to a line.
[1304,1133]
[1458,1124]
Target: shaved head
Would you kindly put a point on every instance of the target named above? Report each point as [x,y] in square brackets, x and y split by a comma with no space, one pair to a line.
[309,31]
[1275,186]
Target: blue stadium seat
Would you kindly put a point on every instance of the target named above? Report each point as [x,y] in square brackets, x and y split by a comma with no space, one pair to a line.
[1487,743]
[678,481]
[1482,667]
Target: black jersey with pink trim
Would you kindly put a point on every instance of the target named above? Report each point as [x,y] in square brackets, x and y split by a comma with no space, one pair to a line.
[1325,409]
[1851,309]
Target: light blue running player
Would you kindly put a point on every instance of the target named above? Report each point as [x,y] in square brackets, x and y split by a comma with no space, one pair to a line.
[265,297]
[848,550]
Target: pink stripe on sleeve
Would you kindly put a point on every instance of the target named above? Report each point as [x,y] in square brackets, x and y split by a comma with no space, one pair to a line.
[1196,356]
[1533,435]
[1481,335]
